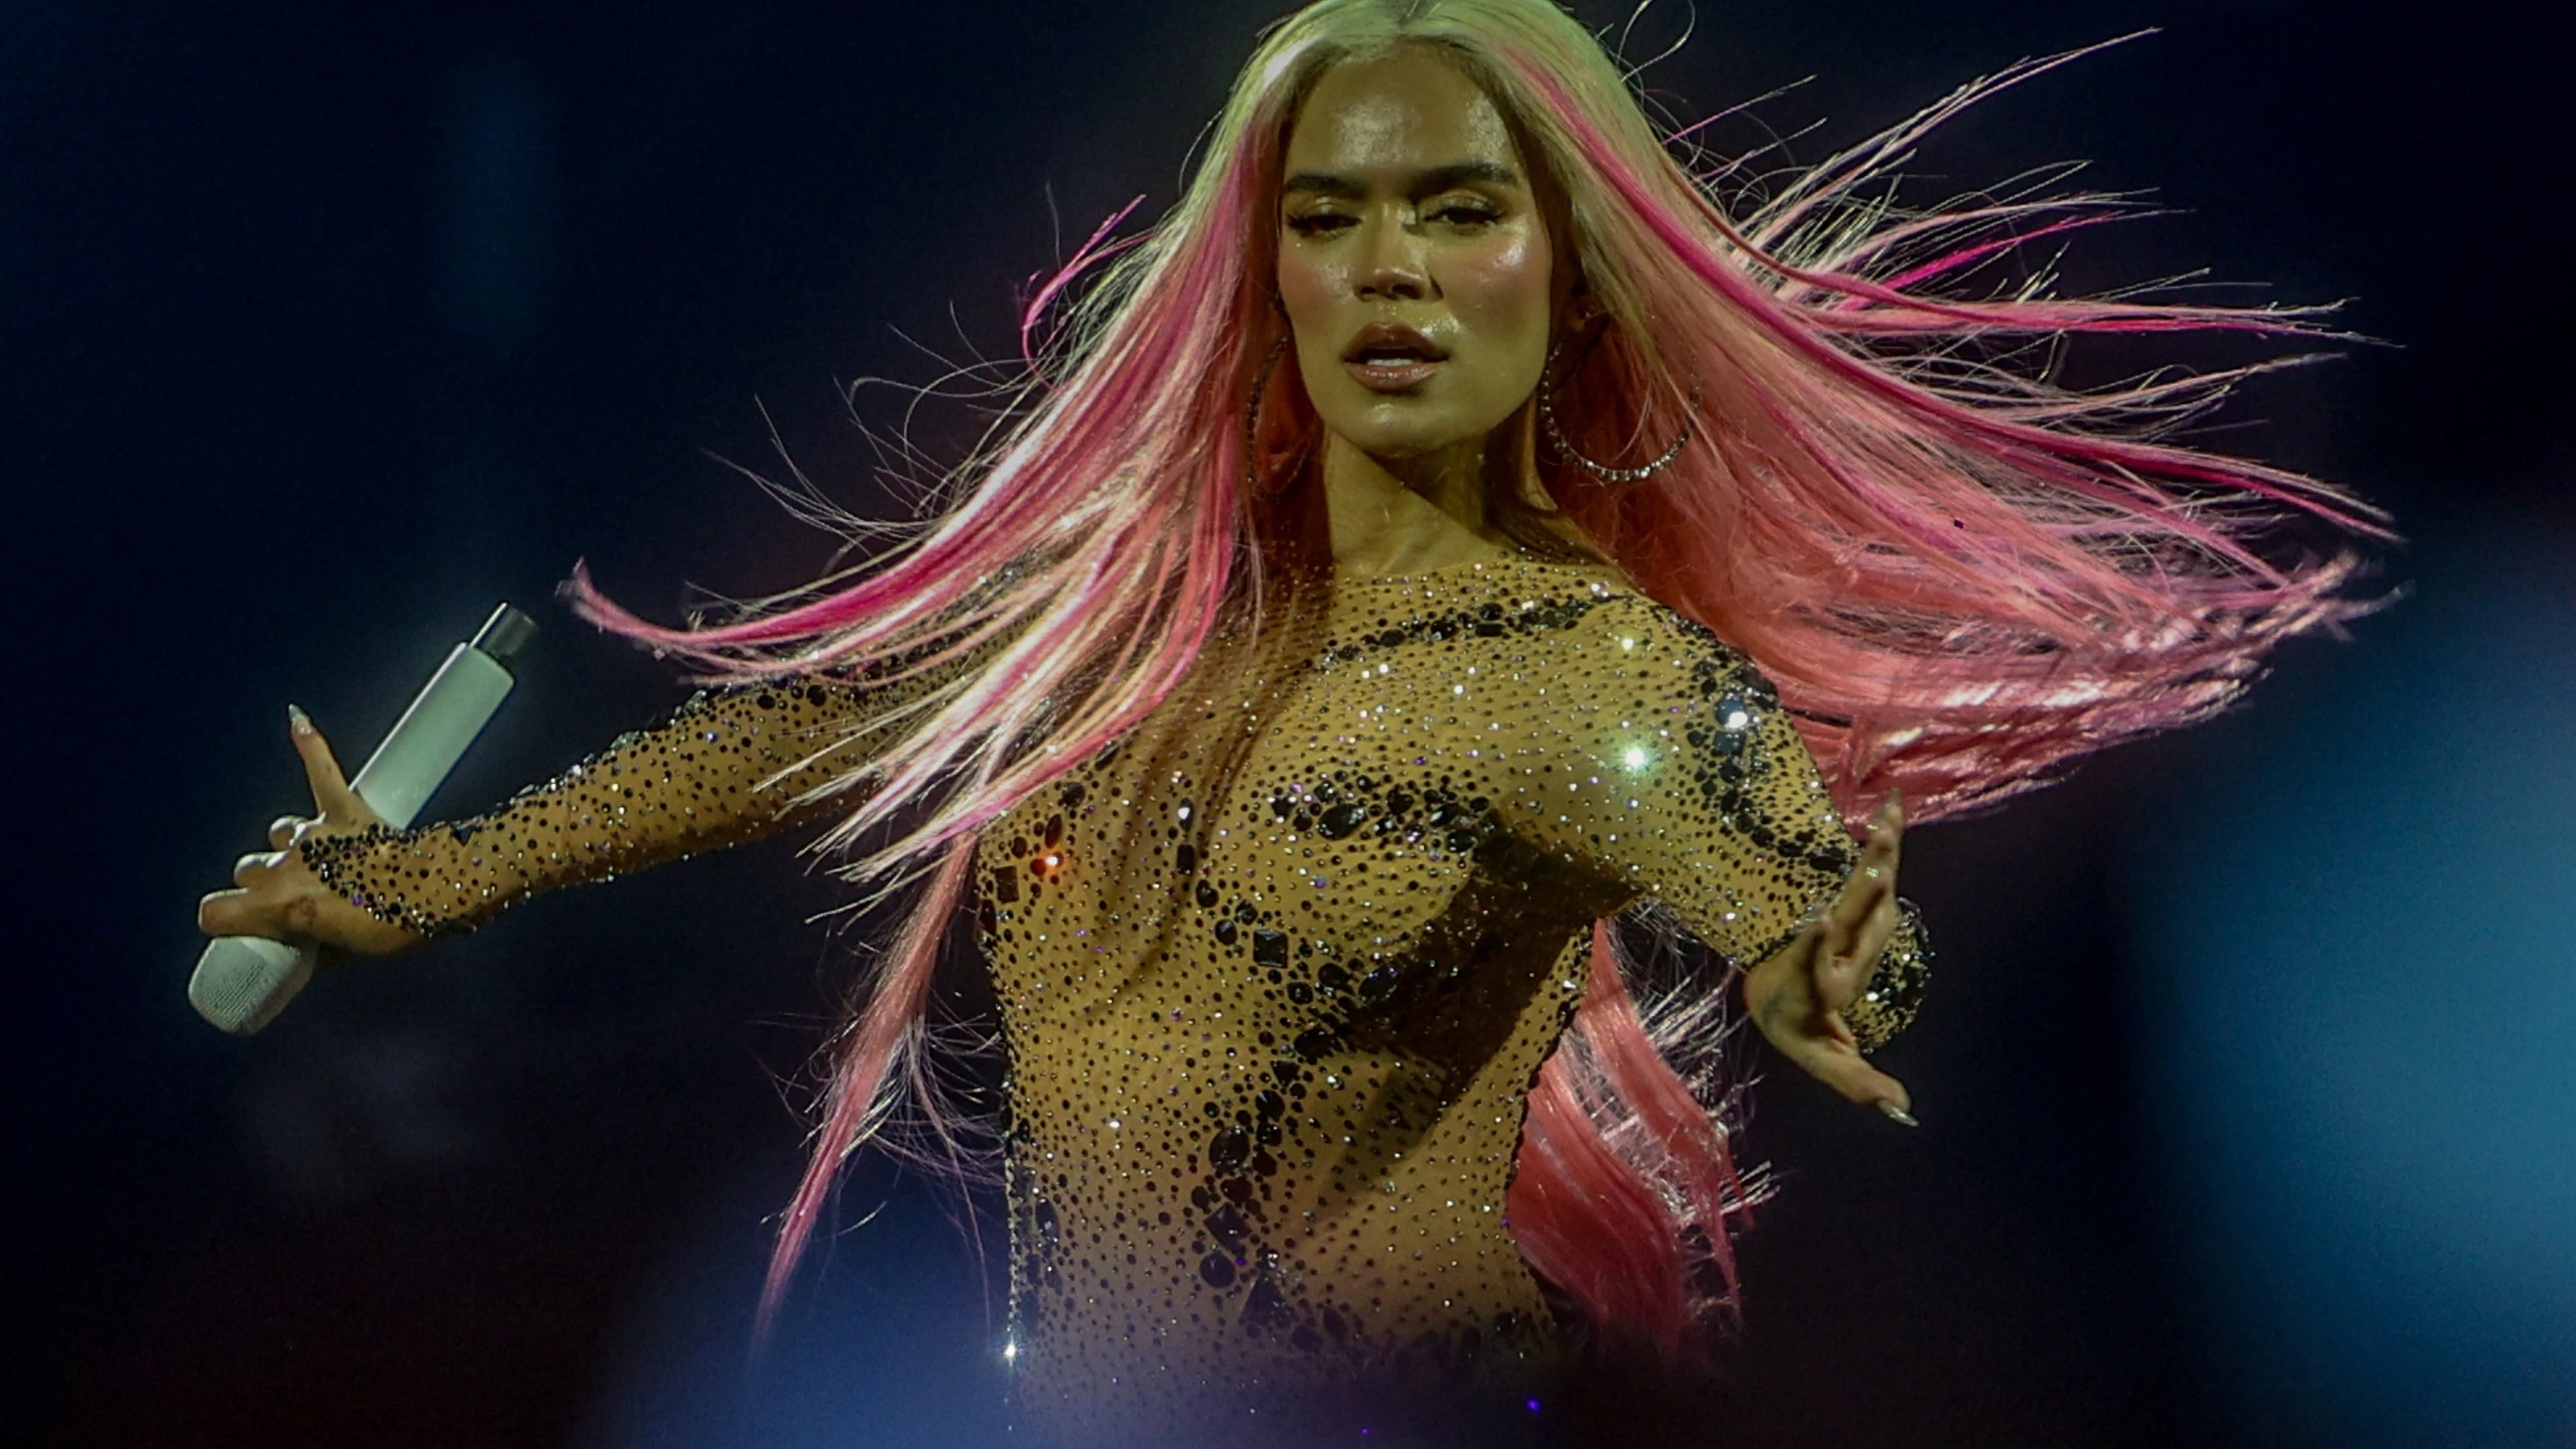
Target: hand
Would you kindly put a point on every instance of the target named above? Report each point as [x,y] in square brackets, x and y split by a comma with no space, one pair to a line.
[1798,996]
[277,895]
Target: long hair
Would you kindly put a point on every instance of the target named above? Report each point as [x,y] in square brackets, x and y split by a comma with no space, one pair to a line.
[1959,574]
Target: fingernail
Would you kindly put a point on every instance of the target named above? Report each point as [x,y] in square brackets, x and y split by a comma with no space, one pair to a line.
[296,721]
[1898,1115]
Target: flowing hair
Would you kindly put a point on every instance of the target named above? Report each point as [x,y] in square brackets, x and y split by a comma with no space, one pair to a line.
[1958,572]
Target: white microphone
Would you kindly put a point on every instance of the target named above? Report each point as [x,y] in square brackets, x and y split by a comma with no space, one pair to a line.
[243,982]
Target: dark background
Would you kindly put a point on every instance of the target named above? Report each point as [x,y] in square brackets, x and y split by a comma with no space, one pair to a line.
[2245,1083]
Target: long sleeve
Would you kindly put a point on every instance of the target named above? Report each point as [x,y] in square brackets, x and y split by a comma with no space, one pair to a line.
[1683,778]
[729,765]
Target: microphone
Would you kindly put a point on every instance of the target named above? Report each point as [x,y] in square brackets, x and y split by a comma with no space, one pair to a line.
[243,982]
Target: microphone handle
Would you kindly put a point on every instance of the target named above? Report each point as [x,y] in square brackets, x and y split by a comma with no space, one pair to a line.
[242,982]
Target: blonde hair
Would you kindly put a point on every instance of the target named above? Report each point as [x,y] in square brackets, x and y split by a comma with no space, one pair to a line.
[1958,576]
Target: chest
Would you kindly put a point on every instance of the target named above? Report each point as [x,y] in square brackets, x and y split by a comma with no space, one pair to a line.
[1289,842]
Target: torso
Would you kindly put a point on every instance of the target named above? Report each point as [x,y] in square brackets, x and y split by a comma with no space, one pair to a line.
[1275,975]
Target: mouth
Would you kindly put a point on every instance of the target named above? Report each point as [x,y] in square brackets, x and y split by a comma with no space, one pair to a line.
[1390,357]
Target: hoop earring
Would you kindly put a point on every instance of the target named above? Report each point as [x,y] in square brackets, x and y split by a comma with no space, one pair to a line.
[1252,420]
[1556,437]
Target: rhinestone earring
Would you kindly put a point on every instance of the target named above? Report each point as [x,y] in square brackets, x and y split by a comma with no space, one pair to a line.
[1547,383]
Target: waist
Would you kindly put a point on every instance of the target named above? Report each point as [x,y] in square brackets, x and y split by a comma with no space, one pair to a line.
[1267,1368]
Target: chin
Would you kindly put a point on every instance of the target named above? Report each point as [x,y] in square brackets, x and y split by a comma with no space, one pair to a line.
[1401,436]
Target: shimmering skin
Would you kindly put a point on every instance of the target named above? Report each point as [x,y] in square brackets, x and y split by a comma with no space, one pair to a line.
[1276,972]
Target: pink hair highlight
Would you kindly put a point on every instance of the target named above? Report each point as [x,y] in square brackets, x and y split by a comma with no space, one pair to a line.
[2012,630]
[1618,1147]
[881,1043]
[1959,577]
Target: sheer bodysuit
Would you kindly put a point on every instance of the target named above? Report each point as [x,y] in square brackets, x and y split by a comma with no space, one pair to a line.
[1275,973]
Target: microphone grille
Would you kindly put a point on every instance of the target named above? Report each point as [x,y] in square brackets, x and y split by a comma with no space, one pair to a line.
[243,982]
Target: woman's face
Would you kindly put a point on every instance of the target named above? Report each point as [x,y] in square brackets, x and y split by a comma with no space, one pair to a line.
[1413,259]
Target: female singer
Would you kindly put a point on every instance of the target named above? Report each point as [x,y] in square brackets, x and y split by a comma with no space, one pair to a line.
[1456,527]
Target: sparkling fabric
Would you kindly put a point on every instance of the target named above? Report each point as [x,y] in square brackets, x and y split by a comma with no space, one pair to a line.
[1276,972]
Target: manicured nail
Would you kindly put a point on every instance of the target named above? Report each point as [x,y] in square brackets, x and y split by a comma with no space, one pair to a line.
[296,721]
[1898,1115]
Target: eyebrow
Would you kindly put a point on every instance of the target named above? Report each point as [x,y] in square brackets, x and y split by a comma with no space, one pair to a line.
[1438,178]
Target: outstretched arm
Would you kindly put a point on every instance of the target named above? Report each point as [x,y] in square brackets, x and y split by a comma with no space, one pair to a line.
[728,766]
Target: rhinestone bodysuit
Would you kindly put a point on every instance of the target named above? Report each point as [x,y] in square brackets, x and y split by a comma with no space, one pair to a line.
[1275,972]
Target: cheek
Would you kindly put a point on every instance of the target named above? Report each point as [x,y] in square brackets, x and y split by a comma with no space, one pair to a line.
[1506,283]
[1502,292]
[1307,286]
[1309,289]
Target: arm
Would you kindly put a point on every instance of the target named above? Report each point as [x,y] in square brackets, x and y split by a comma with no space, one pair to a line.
[728,766]
[1683,778]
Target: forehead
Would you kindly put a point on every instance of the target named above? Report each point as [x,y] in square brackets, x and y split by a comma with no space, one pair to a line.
[1407,111]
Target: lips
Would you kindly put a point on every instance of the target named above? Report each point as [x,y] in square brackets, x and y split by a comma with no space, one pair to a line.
[1390,357]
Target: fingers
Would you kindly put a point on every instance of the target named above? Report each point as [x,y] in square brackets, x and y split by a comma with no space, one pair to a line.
[1884,847]
[224,913]
[1874,878]
[1784,996]
[1841,975]
[1881,854]
[1887,827]
[1857,927]
[250,912]
[332,796]
[262,902]
[253,868]
[274,894]
[1852,1075]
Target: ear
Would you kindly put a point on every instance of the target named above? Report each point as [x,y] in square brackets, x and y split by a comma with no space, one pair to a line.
[1581,315]
[1582,321]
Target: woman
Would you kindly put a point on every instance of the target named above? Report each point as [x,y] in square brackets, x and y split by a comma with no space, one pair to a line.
[1367,616]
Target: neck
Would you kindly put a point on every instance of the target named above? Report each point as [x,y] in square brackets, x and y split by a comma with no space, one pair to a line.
[1404,515]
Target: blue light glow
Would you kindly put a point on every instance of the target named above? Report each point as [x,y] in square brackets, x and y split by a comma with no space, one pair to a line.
[2358,947]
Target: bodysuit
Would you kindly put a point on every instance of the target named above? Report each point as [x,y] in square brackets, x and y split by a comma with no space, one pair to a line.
[1276,971]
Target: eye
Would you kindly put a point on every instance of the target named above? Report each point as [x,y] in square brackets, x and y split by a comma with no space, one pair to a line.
[1466,214]
[1319,223]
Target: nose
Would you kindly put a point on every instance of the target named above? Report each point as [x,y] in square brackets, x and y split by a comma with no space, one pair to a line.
[1395,266]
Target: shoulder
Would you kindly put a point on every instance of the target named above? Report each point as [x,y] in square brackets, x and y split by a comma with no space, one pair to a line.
[1639,639]
[1574,635]
[1523,598]
[1658,696]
